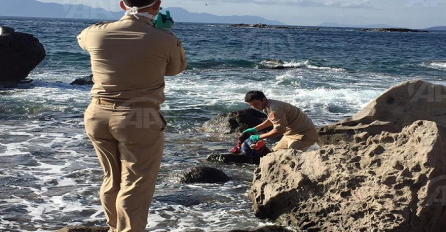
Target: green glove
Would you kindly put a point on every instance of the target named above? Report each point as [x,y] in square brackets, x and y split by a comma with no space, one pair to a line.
[164,21]
[251,130]
[255,138]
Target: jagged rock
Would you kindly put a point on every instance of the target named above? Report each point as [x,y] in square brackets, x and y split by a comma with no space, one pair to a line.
[391,182]
[83,229]
[398,107]
[231,158]
[204,175]
[83,81]
[234,122]
[20,53]
[265,229]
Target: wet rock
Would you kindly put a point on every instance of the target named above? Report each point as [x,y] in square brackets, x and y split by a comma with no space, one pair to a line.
[234,122]
[20,53]
[273,64]
[382,184]
[84,81]
[231,158]
[83,229]
[204,175]
[398,107]
[265,229]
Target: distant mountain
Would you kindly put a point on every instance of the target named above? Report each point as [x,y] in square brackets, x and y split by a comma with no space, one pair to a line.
[33,8]
[332,24]
[440,28]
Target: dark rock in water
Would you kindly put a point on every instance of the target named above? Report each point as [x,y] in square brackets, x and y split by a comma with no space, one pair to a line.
[393,30]
[204,175]
[20,53]
[83,229]
[273,64]
[84,81]
[234,122]
[265,229]
[395,109]
[231,158]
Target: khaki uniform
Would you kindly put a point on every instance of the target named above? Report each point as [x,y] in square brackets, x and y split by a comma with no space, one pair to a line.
[129,59]
[300,132]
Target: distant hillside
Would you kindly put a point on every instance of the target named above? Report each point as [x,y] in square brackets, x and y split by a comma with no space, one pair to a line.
[441,28]
[33,8]
[332,24]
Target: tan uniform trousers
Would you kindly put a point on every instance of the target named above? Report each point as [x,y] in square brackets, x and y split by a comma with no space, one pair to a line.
[129,144]
[298,142]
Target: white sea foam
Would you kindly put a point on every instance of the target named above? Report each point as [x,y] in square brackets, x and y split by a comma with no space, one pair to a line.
[439,64]
[307,64]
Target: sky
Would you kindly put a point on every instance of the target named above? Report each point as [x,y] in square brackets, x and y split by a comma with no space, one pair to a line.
[398,13]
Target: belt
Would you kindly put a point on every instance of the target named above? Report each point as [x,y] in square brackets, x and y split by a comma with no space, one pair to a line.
[115,104]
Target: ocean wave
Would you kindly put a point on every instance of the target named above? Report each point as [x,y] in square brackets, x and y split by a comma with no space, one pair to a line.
[306,64]
[441,65]
[212,64]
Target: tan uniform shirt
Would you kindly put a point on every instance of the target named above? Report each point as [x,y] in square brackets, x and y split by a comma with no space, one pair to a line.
[288,117]
[129,59]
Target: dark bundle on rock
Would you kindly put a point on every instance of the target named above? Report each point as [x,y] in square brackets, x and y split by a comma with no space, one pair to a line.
[204,175]
[20,53]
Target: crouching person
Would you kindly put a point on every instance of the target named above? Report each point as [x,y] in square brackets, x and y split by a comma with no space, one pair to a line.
[296,127]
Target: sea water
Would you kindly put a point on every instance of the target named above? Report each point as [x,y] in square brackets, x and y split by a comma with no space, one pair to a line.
[49,173]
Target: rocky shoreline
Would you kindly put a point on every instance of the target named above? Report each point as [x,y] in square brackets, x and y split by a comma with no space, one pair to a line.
[259,25]
[383,169]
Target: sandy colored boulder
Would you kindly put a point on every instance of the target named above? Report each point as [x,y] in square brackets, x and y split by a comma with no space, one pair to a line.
[398,107]
[389,182]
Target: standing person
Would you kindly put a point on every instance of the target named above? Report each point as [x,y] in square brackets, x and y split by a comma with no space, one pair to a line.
[129,59]
[296,127]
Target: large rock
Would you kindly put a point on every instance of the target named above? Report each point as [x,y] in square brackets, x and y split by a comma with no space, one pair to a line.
[234,122]
[398,107]
[390,182]
[20,53]
[204,175]
[84,81]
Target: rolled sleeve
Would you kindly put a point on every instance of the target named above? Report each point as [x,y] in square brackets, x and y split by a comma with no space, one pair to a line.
[177,60]
[279,120]
[82,39]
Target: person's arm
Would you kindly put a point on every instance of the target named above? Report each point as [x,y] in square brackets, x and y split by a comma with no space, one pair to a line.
[267,123]
[82,39]
[273,133]
[177,60]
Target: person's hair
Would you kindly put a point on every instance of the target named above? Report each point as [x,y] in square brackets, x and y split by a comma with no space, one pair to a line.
[138,3]
[254,95]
